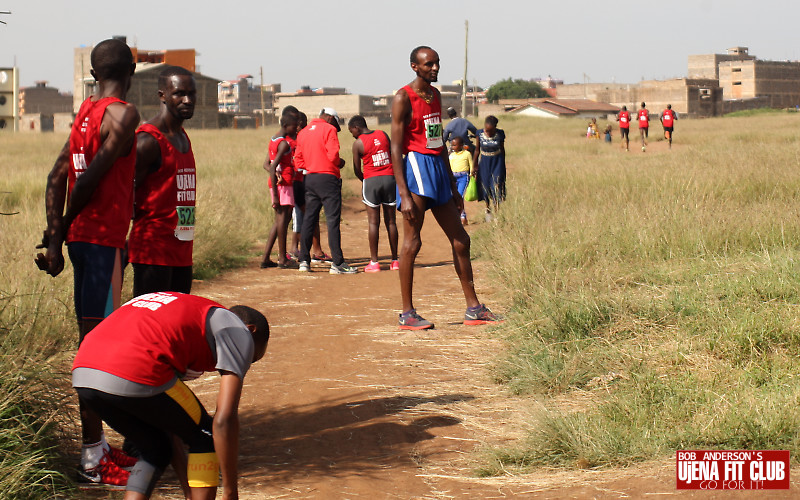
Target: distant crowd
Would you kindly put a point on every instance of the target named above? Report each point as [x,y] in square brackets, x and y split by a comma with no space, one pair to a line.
[668,117]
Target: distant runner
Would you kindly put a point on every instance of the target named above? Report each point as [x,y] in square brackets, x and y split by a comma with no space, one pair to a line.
[372,147]
[425,182]
[668,118]
[624,119]
[644,125]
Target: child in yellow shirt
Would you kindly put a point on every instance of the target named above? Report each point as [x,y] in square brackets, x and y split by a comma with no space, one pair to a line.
[461,165]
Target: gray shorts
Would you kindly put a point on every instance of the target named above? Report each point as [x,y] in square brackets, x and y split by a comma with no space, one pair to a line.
[380,190]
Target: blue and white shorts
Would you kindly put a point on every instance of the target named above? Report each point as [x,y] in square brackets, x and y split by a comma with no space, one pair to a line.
[427,176]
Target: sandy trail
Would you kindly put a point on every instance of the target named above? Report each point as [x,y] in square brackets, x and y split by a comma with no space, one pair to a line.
[346,405]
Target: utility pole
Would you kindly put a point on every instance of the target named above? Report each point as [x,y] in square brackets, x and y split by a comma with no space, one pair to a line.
[464,81]
[261,88]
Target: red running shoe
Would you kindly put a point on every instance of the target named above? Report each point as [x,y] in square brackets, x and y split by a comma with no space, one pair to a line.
[413,321]
[106,472]
[121,459]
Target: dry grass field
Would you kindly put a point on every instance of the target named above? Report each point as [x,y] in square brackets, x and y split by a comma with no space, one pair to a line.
[655,297]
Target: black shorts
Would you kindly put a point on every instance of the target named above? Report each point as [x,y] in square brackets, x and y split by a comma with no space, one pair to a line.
[379,190]
[150,278]
[624,132]
[645,130]
[299,188]
[668,129]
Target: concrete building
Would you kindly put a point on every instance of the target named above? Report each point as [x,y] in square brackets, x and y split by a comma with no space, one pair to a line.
[346,105]
[144,84]
[43,100]
[717,84]
[241,97]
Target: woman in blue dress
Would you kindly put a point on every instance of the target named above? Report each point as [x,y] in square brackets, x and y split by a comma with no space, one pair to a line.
[490,159]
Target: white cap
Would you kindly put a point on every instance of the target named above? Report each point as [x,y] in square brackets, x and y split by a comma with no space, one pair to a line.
[330,111]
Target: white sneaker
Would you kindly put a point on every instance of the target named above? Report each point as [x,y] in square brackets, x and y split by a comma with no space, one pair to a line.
[303,267]
[343,268]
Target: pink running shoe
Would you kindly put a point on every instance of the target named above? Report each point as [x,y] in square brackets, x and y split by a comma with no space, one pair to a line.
[372,267]
[395,265]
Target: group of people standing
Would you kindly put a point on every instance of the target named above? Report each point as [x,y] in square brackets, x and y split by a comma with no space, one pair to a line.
[667,117]
[133,359]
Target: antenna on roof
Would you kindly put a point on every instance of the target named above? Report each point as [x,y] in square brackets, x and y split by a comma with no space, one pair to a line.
[6,12]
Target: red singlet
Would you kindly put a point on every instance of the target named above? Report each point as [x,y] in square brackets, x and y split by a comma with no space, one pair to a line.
[668,118]
[644,118]
[423,133]
[105,219]
[624,119]
[163,224]
[286,177]
[151,339]
[377,159]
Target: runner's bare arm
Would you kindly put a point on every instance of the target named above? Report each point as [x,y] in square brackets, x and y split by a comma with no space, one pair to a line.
[52,261]
[283,148]
[148,157]
[401,114]
[118,132]
[226,432]
[358,152]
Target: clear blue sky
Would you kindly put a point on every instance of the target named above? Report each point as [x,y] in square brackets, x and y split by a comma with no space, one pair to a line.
[364,45]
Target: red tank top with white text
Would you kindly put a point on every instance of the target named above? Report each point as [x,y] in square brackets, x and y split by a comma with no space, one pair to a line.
[624,119]
[423,133]
[151,339]
[164,218]
[286,177]
[668,118]
[377,159]
[105,219]
[644,118]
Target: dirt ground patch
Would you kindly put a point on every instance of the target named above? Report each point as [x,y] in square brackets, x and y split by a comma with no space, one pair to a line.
[346,405]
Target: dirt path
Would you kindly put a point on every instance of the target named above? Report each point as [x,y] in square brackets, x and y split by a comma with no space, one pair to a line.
[346,405]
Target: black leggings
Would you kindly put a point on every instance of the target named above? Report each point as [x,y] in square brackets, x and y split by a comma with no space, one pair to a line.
[148,278]
[148,423]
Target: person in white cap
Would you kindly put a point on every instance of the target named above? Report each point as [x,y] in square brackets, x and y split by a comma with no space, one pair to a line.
[318,153]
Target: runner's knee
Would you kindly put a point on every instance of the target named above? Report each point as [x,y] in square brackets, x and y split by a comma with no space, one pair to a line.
[144,476]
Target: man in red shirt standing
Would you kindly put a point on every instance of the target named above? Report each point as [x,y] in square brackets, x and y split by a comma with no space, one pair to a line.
[624,119]
[373,148]
[644,125]
[424,181]
[93,175]
[161,240]
[318,154]
[668,118]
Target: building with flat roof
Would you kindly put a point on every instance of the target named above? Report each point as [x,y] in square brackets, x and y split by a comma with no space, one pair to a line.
[43,100]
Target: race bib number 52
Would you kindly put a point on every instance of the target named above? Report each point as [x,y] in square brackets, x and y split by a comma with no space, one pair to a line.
[184,231]
[433,132]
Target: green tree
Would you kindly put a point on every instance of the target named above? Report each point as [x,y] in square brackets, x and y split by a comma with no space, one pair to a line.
[515,89]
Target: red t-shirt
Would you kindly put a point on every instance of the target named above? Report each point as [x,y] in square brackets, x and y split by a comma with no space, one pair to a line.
[667,118]
[644,118]
[423,133]
[163,224]
[151,339]
[298,175]
[318,148]
[286,177]
[105,219]
[377,159]
[624,119]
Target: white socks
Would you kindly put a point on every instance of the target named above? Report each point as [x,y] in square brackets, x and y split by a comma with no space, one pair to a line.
[92,453]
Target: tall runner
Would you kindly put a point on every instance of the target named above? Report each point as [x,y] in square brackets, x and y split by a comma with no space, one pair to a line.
[425,182]
[372,147]
[93,176]
[668,118]
[624,119]
[643,117]
[162,237]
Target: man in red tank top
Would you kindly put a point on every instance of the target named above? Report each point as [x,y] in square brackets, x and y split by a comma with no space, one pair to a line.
[424,181]
[668,118]
[131,371]
[643,116]
[93,178]
[624,119]
[373,148]
[161,239]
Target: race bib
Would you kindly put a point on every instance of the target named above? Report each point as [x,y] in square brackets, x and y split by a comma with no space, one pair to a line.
[185,228]
[433,132]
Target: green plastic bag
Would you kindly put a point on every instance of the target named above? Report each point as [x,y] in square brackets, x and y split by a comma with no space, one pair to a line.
[471,193]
